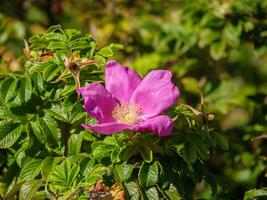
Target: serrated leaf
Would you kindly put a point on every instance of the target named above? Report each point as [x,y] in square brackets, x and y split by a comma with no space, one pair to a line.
[25,90]
[148,175]
[132,190]
[51,72]
[31,169]
[9,134]
[47,166]
[40,66]
[173,193]
[37,131]
[57,113]
[53,28]
[152,194]
[123,172]
[38,81]
[7,89]
[13,191]
[64,175]
[29,189]
[190,152]
[74,144]
[57,45]
[255,194]
[50,129]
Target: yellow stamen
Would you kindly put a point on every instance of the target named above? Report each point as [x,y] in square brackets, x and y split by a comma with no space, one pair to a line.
[127,113]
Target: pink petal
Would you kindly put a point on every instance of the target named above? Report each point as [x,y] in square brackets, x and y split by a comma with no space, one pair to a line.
[107,128]
[98,102]
[161,125]
[121,81]
[155,93]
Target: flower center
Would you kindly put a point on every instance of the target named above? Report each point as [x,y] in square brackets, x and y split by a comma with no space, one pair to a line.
[127,113]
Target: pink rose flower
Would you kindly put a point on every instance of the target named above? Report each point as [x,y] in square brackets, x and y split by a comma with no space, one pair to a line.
[128,102]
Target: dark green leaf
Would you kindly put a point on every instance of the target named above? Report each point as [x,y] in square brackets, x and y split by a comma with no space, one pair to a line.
[190,152]
[7,89]
[255,194]
[222,141]
[146,153]
[64,175]
[51,72]
[123,172]
[74,144]
[148,175]
[9,134]
[25,90]
[29,189]
[50,128]
[132,190]
[172,193]
[31,169]
[47,166]
[38,82]
[152,194]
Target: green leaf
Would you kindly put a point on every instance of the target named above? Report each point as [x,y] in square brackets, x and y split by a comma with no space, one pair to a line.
[217,50]
[128,152]
[115,158]
[116,46]
[57,45]
[209,178]
[38,81]
[132,190]
[123,172]
[203,151]
[222,141]
[31,169]
[74,144]
[57,113]
[7,89]
[51,72]
[64,175]
[50,129]
[207,36]
[47,166]
[152,194]
[13,191]
[40,66]
[53,28]
[255,194]
[106,52]
[148,174]
[190,152]
[29,189]
[25,90]
[9,134]
[146,153]
[37,131]
[173,193]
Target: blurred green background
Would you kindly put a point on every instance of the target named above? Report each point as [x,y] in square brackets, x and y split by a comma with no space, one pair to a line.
[220,46]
